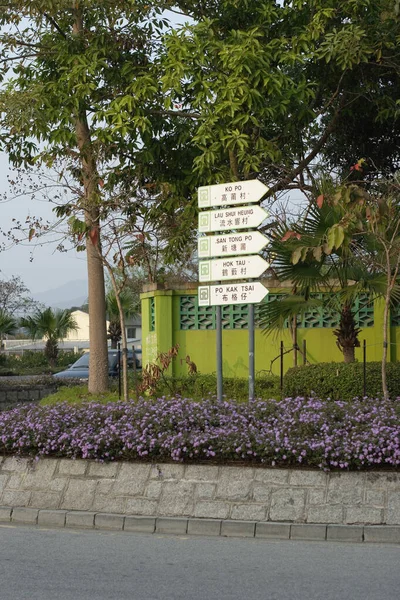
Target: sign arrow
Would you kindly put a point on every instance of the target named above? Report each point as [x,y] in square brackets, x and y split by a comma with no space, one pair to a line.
[229,194]
[226,219]
[237,293]
[224,269]
[231,244]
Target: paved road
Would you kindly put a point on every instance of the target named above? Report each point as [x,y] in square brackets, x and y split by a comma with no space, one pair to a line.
[38,564]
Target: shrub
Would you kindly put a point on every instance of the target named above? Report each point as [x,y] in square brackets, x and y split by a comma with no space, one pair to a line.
[340,381]
[27,360]
[4,372]
[32,362]
[67,357]
[199,386]
[359,434]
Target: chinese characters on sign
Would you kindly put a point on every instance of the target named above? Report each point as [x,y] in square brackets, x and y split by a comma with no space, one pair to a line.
[231,244]
[232,268]
[238,293]
[234,246]
[242,217]
[230,194]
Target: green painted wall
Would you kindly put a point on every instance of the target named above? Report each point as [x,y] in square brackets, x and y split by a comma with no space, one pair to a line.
[200,344]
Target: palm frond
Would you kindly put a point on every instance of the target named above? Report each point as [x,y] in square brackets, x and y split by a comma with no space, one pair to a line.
[8,325]
[276,315]
[50,324]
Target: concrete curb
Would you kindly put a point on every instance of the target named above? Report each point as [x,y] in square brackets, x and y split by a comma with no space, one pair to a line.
[381,534]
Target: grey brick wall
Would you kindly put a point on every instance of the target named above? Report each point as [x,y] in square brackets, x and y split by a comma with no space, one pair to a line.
[11,395]
[201,491]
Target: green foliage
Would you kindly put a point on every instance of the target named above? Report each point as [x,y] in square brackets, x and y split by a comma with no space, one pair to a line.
[8,324]
[271,80]
[340,381]
[34,362]
[67,357]
[195,387]
[199,386]
[5,372]
[51,324]
[28,359]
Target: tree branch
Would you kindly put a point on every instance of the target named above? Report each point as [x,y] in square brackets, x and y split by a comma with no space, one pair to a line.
[55,25]
[280,185]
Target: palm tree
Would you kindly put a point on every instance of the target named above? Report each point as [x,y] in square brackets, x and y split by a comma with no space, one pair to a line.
[8,325]
[52,325]
[314,263]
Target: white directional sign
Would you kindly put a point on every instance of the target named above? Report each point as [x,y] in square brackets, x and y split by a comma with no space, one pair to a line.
[237,293]
[231,244]
[223,269]
[229,194]
[226,219]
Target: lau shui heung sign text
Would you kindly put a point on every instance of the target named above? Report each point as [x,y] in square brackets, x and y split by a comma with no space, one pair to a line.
[226,219]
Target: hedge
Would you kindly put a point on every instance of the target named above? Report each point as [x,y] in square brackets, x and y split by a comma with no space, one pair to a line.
[32,362]
[340,381]
[199,386]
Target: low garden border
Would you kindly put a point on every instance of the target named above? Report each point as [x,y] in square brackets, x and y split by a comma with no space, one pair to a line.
[207,527]
[269,499]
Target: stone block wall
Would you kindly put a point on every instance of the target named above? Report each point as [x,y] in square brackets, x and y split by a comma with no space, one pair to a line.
[11,395]
[216,492]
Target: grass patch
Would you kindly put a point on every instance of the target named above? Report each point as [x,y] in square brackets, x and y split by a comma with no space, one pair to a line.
[76,395]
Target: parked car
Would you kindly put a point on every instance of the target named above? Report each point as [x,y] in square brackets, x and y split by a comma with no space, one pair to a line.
[80,368]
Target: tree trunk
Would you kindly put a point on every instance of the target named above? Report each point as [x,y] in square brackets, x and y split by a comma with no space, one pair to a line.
[385,346]
[98,361]
[347,334]
[51,351]
[348,354]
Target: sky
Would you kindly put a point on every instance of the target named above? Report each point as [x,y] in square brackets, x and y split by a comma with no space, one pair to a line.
[41,267]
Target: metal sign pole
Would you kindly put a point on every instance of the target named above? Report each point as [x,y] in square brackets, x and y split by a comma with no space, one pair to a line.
[251,352]
[220,387]
[119,371]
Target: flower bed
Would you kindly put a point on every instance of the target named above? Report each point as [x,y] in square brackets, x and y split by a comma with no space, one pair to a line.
[308,432]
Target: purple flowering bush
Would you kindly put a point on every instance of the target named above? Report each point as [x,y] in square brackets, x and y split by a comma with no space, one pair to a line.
[363,433]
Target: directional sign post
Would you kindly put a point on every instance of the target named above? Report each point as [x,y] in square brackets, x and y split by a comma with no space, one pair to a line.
[226,219]
[231,244]
[231,194]
[224,269]
[234,293]
[238,211]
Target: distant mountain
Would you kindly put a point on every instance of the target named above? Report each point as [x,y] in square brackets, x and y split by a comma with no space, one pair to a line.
[73,293]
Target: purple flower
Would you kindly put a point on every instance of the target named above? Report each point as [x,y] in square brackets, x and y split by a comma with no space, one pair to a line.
[362,433]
